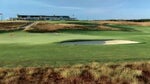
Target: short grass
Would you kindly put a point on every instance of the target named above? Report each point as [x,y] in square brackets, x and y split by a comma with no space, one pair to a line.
[40,49]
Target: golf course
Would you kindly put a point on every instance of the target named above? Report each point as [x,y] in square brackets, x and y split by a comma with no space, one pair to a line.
[74,52]
[74,42]
[36,49]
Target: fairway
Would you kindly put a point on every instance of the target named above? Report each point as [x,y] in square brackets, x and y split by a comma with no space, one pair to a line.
[21,48]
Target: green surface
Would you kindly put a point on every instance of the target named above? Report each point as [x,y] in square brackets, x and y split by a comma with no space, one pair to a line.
[40,49]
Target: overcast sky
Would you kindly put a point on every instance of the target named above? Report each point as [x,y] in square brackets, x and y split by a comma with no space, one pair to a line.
[82,9]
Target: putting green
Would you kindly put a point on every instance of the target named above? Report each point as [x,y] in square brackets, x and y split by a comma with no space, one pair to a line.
[39,38]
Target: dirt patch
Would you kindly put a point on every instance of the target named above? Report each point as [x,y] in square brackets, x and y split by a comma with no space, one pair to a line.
[92,73]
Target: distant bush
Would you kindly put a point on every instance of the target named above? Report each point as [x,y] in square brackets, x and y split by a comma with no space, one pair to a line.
[132,20]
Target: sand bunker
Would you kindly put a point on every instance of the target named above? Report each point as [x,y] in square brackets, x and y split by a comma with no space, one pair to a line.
[99,42]
[112,42]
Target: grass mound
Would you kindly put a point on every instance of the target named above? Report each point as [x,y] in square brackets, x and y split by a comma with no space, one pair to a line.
[125,23]
[93,73]
[53,27]
[12,26]
[72,25]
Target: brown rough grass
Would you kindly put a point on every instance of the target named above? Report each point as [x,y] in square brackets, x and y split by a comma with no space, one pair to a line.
[93,73]
[8,26]
[102,27]
[52,27]
[124,23]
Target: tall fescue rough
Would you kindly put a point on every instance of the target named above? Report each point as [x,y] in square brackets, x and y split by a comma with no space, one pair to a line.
[89,25]
[124,23]
[93,73]
[54,27]
[12,26]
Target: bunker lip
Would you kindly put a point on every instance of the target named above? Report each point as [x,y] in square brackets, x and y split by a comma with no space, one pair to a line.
[98,42]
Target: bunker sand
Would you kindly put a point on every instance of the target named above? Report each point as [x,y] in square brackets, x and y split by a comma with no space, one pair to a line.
[114,42]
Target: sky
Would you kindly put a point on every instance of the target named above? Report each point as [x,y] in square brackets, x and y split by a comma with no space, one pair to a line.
[81,9]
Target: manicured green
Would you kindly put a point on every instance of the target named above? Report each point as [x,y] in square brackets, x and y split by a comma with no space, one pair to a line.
[39,49]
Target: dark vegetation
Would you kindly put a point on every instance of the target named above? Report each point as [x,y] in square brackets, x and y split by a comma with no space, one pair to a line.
[85,40]
[132,20]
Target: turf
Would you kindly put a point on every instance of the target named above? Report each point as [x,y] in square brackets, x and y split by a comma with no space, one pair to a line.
[39,49]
